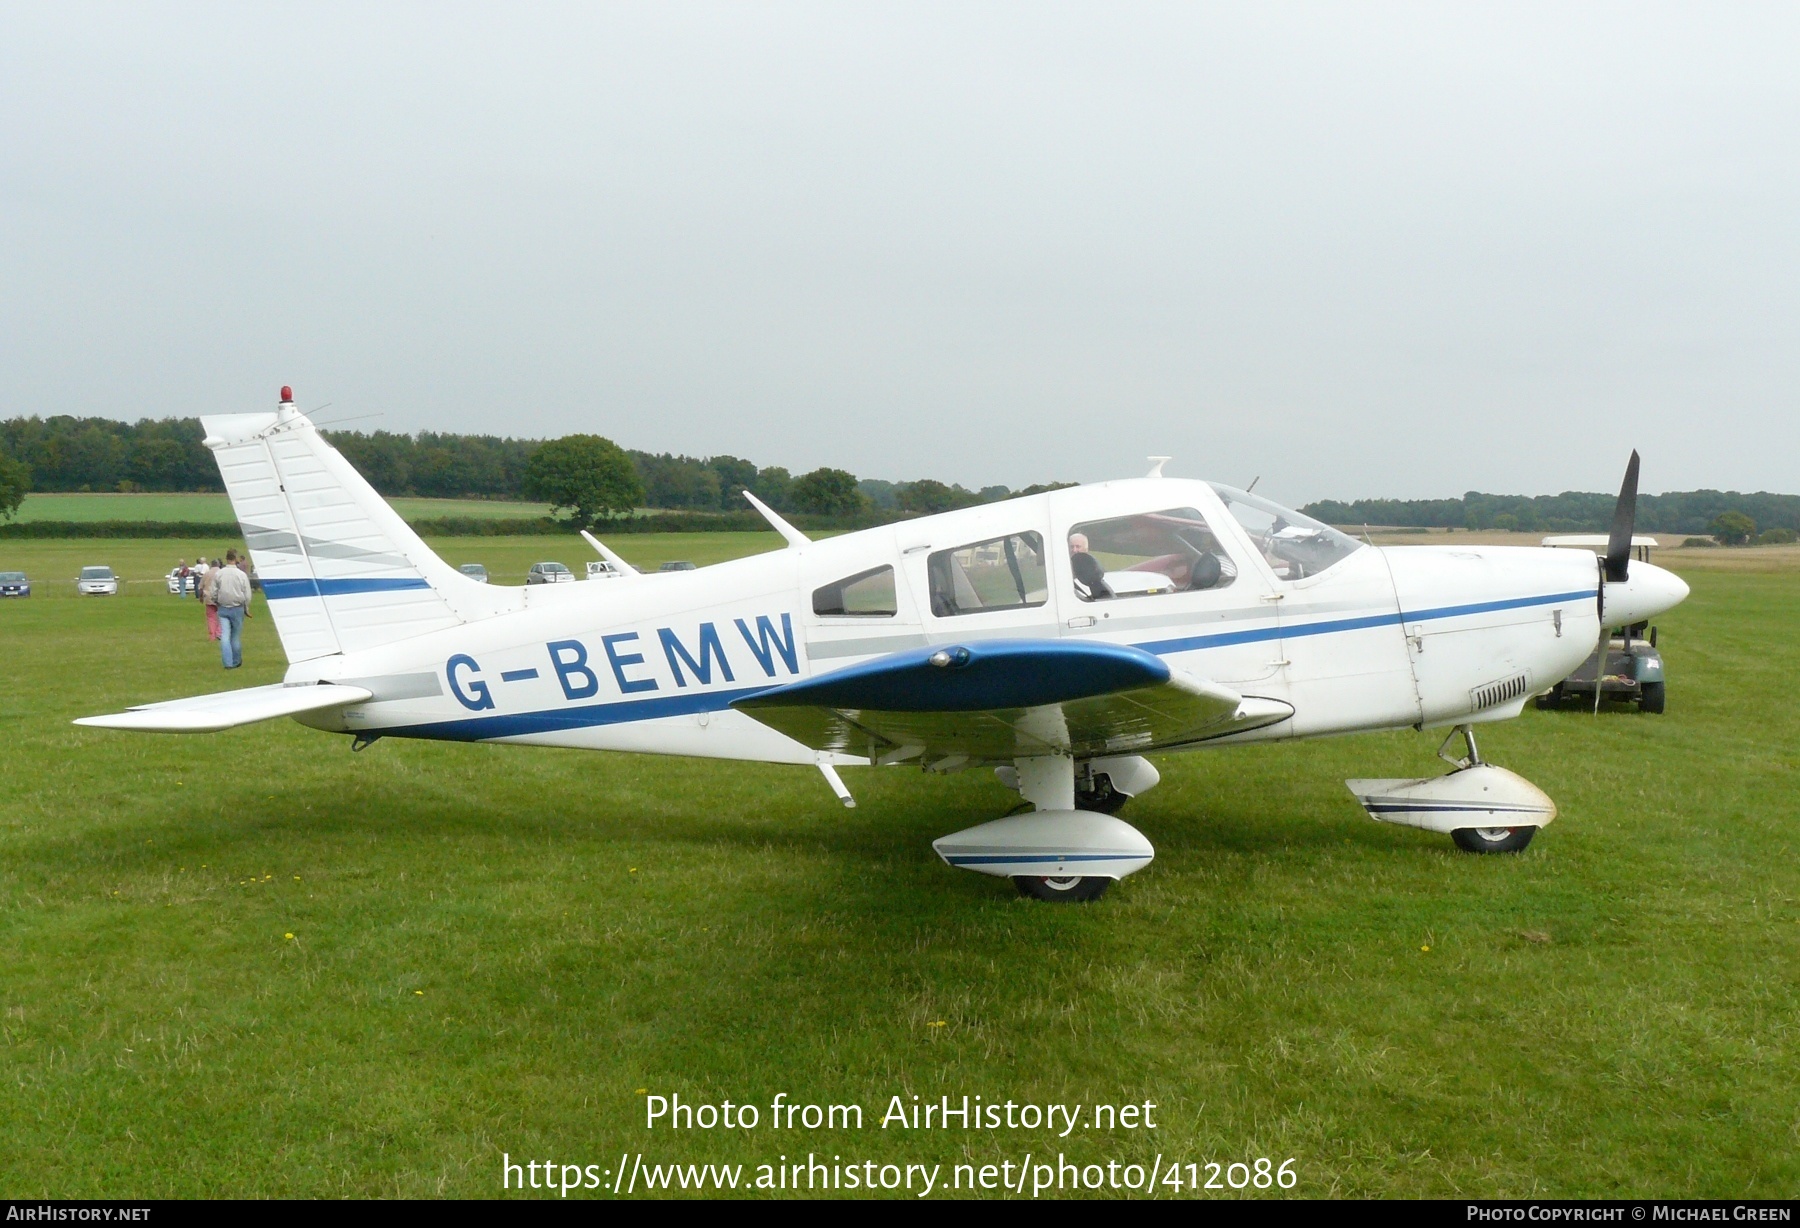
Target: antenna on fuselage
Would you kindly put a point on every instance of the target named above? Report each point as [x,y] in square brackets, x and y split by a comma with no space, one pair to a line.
[1156,465]
[794,536]
[1253,482]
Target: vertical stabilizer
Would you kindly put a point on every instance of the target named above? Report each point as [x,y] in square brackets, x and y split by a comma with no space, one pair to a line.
[341,571]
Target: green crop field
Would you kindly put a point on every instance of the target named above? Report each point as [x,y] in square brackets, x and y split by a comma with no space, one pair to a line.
[255,963]
[216,509]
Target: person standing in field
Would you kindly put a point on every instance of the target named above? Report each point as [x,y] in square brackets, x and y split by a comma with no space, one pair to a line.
[233,592]
[209,596]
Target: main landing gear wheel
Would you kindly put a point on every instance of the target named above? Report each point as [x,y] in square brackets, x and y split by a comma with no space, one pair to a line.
[1069,889]
[1492,839]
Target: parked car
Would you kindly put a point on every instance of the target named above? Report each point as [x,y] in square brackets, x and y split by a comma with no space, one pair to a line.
[1632,669]
[179,584]
[97,582]
[600,569]
[14,584]
[677,565]
[475,572]
[549,573]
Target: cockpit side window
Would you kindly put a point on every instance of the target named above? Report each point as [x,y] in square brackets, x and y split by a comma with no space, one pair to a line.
[1003,573]
[1147,554]
[867,594]
[1296,546]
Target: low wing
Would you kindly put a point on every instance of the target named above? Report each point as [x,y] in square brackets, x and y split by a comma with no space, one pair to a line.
[1007,699]
[228,709]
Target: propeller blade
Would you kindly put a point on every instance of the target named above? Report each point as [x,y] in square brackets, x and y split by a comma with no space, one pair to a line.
[1618,542]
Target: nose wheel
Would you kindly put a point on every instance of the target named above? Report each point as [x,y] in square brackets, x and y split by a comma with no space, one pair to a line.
[1067,890]
[1493,839]
[1481,807]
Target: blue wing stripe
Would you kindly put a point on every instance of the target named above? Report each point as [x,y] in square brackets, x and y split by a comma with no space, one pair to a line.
[983,676]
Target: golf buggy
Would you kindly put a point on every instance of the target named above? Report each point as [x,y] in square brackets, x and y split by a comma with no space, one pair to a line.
[1632,668]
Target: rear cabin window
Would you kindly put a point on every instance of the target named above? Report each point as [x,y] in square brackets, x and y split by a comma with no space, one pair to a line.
[1148,554]
[1002,573]
[867,594]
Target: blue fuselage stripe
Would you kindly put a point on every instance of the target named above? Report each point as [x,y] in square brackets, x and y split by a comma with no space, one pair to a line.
[1362,623]
[619,712]
[586,716]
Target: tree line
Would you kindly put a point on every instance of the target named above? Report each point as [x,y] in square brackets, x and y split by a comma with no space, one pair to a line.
[68,454]
[1687,511]
[166,454]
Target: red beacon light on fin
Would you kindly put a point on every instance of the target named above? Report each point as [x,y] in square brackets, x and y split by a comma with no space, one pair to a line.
[287,395]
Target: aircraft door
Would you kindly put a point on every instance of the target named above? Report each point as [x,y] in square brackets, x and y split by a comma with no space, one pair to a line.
[985,585]
[1163,580]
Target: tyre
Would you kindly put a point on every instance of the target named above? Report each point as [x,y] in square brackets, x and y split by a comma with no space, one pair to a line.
[1103,799]
[1492,839]
[1653,698]
[1068,890]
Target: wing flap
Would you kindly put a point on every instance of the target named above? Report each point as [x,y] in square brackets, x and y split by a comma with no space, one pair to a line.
[229,709]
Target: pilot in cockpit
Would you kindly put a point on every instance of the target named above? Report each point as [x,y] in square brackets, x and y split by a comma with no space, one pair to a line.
[1090,576]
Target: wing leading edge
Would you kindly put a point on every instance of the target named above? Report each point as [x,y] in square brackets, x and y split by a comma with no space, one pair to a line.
[1006,699]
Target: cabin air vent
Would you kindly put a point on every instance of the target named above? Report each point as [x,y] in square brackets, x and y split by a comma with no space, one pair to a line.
[1490,694]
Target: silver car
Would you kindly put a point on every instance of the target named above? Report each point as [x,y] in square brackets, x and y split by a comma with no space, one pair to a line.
[549,573]
[97,582]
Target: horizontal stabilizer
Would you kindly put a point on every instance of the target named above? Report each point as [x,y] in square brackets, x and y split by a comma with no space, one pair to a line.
[229,709]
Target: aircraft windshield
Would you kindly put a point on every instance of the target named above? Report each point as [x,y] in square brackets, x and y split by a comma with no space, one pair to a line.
[1296,546]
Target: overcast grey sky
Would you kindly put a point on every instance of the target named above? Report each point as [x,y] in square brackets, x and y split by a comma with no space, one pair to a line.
[1402,250]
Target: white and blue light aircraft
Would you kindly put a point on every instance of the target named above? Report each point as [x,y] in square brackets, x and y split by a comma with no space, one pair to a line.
[1058,639]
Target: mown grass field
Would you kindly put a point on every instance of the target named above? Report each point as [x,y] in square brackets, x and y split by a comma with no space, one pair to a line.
[216,509]
[143,564]
[494,949]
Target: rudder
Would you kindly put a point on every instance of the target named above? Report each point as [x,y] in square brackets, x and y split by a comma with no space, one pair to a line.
[341,570]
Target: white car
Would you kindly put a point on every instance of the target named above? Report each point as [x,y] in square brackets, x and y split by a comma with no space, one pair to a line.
[97,582]
[600,569]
